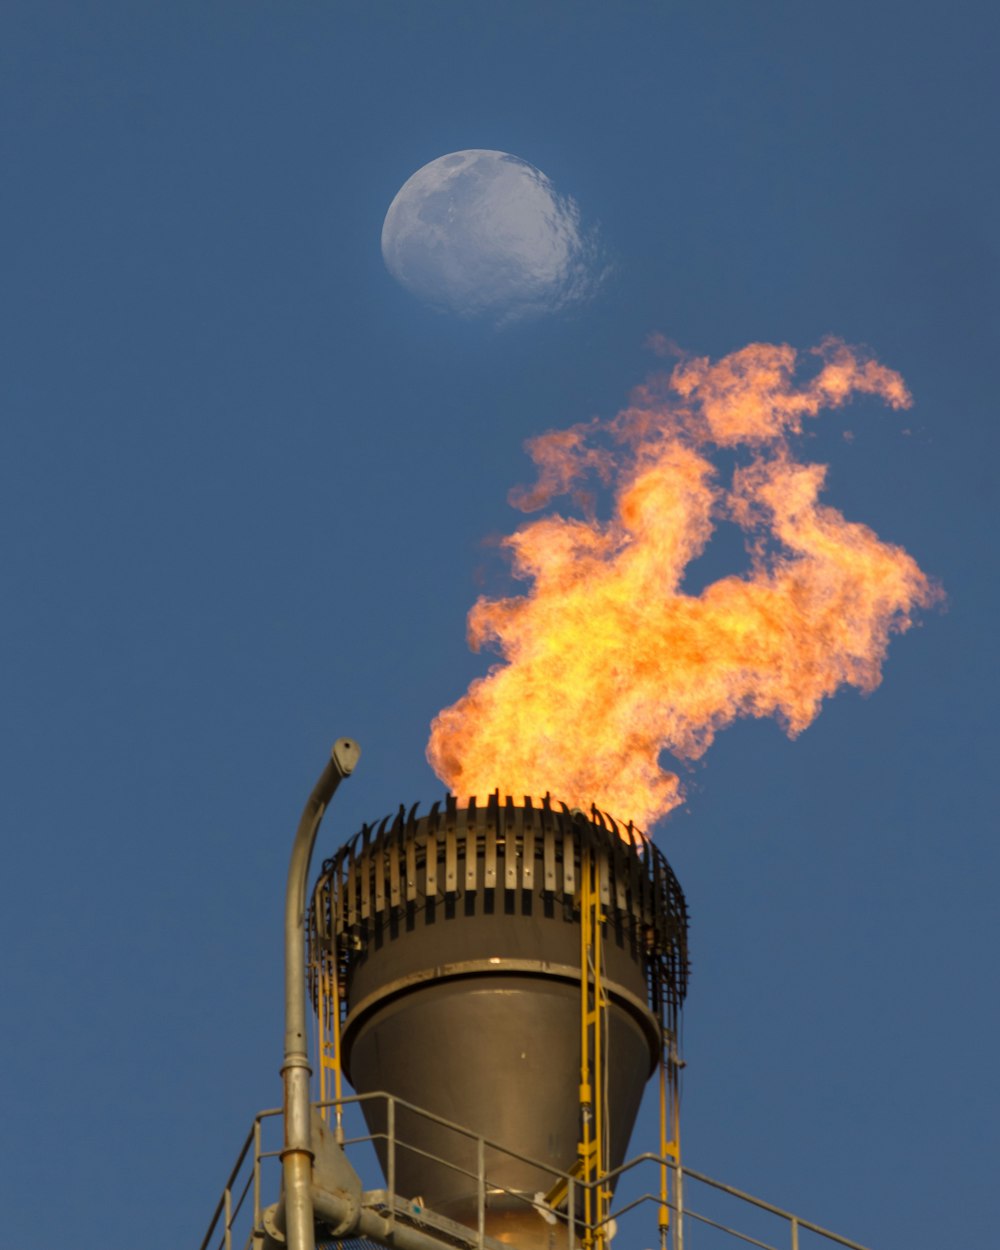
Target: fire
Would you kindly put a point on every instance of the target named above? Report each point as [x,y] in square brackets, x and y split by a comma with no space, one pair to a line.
[606,662]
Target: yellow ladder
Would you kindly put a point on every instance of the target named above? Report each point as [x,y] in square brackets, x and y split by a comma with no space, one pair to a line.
[591,1162]
[328,1012]
[592,1151]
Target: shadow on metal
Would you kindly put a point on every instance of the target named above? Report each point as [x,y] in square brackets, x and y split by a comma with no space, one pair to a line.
[468,984]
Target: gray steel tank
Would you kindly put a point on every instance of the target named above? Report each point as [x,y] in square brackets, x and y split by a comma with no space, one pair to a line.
[457,937]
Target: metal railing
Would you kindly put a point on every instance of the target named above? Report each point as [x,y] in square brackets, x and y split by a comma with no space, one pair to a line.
[240,1216]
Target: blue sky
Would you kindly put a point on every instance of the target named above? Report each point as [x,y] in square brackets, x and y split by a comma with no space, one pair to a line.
[248,488]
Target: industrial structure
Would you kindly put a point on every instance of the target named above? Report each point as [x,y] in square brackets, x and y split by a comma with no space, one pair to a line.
[498,981]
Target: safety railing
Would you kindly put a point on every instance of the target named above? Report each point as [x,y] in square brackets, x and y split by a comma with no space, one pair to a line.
[724,1217]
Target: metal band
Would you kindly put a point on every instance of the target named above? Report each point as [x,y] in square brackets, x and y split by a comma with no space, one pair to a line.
[505,967]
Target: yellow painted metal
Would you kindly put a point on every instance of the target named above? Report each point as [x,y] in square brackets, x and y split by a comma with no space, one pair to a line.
[670,1134]
[327,980]
[593,1148]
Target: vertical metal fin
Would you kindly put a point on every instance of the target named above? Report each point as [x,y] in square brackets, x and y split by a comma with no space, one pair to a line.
[352,891]
[569,857]
[509,845]
[394,841]
[340,902]
[450,854]
[621,873]
[411,870]
[378,859]
[528,846]
[634,873]
[490,857]
[548,847]
[431,858]
[471,847]
[645,893]
[366,874]
[604,874]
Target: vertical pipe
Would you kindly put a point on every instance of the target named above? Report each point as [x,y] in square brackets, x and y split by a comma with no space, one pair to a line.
[679,1194]
[227,1231]
[675,1123]
[256,1175]
[599,1083]
[390,1127]
[586,1075]
[338,1084]
[481,1190]
[297,1154]
[795,1233]
[664,1217]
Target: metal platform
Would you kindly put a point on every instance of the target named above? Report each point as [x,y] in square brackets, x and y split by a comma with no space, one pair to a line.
[706,1214]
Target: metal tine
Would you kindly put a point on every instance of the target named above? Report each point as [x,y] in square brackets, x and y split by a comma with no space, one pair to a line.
[395,843]
[528,845]
[450,854]
[657,886]
[569,850]
[469,850]
[645,889]
[434,816]
[365,870]
[510,845]
[411,868]
[618,863]
[338,900]
[472,845]
[604,872]
[490,856]
[431,856]
[406,839]
[352,890]
[548,846]
[378,861]
[634,876]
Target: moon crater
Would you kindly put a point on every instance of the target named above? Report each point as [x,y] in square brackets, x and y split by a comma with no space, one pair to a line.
[483,234]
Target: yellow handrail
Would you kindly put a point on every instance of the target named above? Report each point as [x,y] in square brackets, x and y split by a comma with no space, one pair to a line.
[592,1162]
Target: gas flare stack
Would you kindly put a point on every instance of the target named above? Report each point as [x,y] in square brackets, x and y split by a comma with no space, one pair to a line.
[498,982]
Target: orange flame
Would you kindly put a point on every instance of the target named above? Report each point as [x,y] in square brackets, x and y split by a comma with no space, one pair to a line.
[607,662]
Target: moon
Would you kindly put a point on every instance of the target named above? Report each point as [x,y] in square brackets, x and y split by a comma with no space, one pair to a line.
[485,235]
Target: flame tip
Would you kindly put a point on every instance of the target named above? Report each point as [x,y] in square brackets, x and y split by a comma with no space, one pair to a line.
[605,661]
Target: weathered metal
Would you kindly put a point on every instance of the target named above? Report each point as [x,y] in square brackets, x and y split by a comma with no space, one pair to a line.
[386,1220]
[297,1152]
[462,987]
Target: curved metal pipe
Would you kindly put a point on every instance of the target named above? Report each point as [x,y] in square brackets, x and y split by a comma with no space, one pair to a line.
[297,1152]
